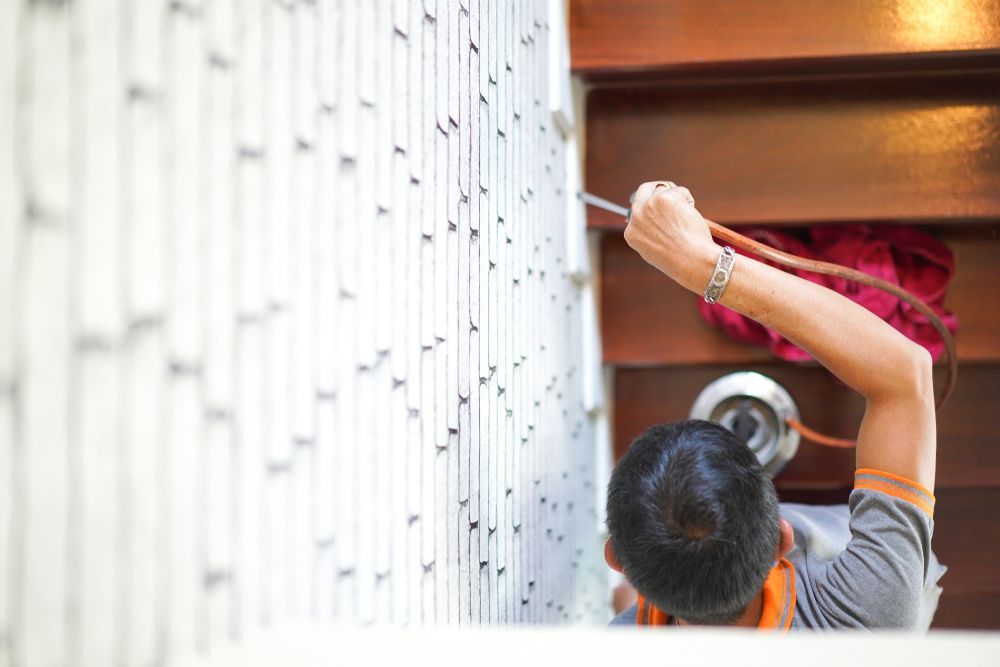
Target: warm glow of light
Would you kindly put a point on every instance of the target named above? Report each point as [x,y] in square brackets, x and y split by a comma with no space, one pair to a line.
[942,24]
[944,144]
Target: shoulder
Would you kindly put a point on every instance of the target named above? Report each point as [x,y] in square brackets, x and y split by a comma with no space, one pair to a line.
[878,578]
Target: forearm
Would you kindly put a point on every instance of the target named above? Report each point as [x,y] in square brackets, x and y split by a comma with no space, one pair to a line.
[892,373]
[854,344]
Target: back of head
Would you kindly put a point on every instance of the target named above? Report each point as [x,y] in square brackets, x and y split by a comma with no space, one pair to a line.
[693,519]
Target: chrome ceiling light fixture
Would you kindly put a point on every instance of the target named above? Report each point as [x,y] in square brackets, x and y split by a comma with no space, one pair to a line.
[756,409]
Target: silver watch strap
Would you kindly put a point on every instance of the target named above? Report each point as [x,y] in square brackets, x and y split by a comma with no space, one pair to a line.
[720,277]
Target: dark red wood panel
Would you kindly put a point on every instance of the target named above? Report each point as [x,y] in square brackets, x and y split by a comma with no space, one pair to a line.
[968,440]
[968,437]
[967,539]
[977,251]
[917,150]
[647,319]
[635,35]
[980,611]
[644,397]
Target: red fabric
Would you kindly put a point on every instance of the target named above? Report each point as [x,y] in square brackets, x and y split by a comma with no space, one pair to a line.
[905,256]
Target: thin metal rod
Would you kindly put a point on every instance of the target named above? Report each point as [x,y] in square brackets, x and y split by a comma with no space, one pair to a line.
[600,202]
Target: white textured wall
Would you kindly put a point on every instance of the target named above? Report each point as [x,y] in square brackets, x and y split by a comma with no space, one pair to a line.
[286,325]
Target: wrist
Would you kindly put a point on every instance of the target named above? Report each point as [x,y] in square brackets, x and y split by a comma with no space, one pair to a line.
[693,268]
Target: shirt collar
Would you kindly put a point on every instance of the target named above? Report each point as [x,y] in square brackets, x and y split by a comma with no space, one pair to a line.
[779,602]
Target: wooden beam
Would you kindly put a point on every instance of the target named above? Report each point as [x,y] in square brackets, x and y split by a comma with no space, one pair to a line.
[647,319]
[968,449]
[620,36]
[965,611]
[910,149]
[967,539]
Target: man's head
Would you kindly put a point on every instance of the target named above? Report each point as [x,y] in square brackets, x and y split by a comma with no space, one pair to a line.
[694,522]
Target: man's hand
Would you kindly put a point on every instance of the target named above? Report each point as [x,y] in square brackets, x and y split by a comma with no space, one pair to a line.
[668,232]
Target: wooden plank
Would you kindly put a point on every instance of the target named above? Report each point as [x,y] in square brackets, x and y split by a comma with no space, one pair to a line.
[635,35]
[968,450]
[646,318]
[967,540]
[915,149]
[975,253]
[637,298]
[644,397]
[968,611]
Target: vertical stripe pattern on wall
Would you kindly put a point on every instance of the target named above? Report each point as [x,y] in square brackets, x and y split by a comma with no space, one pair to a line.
[286,326]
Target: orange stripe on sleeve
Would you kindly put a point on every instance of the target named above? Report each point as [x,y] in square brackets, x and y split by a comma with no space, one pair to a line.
[896,486]
[896,478]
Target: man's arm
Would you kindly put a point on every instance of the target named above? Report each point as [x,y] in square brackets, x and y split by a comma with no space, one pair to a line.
[898,432]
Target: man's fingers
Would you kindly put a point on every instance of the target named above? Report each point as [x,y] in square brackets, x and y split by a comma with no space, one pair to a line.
[679,194]
[643,192]
[676,193]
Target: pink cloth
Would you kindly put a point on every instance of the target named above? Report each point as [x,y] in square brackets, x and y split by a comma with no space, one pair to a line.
[905,256]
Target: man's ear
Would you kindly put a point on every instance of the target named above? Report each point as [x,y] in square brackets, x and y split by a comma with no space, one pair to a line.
[785,542]
[609,557]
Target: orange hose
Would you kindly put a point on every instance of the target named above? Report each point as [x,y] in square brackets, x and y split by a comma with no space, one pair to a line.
[817,437]
[826,268]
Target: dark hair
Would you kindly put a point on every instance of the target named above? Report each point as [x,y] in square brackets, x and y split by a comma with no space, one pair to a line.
[693,519]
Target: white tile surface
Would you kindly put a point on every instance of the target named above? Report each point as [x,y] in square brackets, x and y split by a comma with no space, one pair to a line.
[44,342]
[7,508]
[185,560]
[100,179]
[185,171]
[97,505]
[293,334]
[11,209]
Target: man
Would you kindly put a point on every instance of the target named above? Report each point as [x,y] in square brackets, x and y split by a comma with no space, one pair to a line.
[694,521]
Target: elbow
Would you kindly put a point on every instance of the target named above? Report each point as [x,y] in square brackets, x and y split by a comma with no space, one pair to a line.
[921,372]
[909,375]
